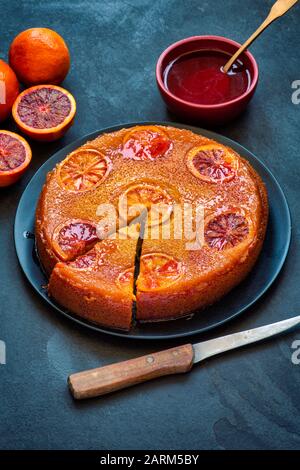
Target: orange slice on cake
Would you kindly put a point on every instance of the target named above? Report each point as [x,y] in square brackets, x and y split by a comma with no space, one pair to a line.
[95,258]
[83,170]
[146,143]
[212,163]
[230,229]
[157,271]
[146,197]
[73,238]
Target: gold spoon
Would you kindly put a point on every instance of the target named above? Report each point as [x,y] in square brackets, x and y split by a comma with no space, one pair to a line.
[278,9]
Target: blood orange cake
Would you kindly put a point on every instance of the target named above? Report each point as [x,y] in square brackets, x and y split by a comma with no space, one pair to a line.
[199,209]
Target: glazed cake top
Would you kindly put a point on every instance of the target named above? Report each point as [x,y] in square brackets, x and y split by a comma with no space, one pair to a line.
[157,164]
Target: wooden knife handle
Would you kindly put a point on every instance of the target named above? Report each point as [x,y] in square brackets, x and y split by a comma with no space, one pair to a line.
[107,379]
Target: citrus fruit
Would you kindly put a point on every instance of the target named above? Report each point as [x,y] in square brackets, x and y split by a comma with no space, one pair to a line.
[93,259]
[125,280]
[15,156]
[84,169]
[149,197]
[145,143]
[39,55]
[74,238]
[157,271]
[86,262]
[9,89]
[227,230]
[44,112]
[212,163]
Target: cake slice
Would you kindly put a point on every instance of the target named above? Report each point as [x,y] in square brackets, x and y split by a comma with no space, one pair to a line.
[90,286]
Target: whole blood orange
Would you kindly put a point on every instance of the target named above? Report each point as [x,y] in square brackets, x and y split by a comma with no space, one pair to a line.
[9,89]
[15,156]
[44,112]
[39,55]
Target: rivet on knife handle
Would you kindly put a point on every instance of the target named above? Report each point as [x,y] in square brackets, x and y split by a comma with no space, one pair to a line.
[107,379]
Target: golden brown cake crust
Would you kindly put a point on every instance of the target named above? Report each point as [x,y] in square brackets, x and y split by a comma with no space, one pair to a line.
[207,273]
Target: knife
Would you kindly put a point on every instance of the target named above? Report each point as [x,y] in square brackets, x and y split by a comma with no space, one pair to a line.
[107,379]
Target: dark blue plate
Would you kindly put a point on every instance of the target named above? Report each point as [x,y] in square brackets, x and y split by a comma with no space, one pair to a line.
[266,270]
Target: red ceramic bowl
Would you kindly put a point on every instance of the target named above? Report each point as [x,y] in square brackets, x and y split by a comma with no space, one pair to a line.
[210,114]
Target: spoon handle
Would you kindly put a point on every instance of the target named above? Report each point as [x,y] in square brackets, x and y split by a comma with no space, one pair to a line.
[278,9]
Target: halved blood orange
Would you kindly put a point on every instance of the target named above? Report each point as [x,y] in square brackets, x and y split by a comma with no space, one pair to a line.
[228,230]
[157,271]
[44,112]
[73,238]
[213,163]
[146,143]
[144,196]
[83,169]
[15,156]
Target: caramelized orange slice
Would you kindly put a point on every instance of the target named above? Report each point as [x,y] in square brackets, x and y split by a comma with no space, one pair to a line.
[146,143]
[88,261]
[228,229]
[95,258]
[73,238]
[148,197]
[125,280]
[157,271]
[212,163]
[83,169]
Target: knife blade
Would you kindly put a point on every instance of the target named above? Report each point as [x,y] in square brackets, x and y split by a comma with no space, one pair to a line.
[107,379]
[216,346]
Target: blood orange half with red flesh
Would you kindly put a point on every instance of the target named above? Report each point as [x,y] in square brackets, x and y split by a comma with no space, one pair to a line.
[212,163]
[146,143]
[15,156]
[73,238]
[44,112]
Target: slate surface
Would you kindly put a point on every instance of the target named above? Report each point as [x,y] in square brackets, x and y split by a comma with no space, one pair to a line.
[244,400]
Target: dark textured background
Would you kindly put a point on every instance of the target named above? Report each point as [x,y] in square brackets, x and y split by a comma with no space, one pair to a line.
[247,399]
